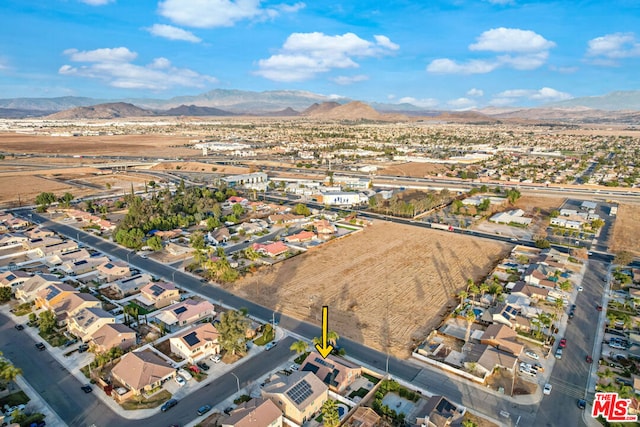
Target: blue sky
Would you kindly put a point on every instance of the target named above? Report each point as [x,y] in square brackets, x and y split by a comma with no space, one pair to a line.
[438,54]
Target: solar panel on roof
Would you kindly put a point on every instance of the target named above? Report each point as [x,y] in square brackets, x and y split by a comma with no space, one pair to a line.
[191,339]
[52,292]
[180,310]
[323,362]
[10,277]
[108,265]
[300,392]
[157,290]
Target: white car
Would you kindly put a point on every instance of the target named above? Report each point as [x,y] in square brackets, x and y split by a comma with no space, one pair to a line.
[532,355]
[181,381]
[580,289]
[547,389]
[185,375]
[216,358]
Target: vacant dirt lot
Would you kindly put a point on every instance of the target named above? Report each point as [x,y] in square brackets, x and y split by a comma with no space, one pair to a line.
[389,284]
[626,230]
[414,169]
[162,146]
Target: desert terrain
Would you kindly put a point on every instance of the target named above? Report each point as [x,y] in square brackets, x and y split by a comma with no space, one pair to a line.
[386,286]
[626,230]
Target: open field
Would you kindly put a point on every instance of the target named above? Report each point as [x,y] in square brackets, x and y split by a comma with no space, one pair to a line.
[200,167]
[390,283]
[161,146]
[626,230]
[417,170]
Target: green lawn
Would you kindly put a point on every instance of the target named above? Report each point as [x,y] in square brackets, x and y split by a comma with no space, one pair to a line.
[267,336]
[143,403]
[14,399]
[361,392]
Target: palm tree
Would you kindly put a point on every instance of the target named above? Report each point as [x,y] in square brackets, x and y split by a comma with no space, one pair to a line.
[473,291]
[462,295]
[330,415]
[8,372]
[470,317]
[332,338]
[299,347]
[469,283]
[484,288]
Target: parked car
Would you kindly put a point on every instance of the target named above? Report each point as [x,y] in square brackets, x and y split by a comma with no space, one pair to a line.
[203,366]
[168,405]
[204,409]
[185,374]
[563,343]
[83,348]
[181,381]
[86,388]
[228,410]
[532,354]
[19,327]
[582,403]
[216,358]
[580,289]
[589,359]
[547,389]
[270,345]
[599,307]
[294,367]
[40,346]
[559,353]
[537,367]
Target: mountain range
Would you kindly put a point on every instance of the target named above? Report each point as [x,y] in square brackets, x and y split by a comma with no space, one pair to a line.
[620,107]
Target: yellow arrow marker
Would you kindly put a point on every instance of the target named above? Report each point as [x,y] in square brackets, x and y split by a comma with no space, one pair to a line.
[325,348]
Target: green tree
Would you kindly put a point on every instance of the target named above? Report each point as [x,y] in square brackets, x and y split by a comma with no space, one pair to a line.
[330,415]
[597,223]
[332,338]
[197,240]
[237,210]
[8,372]
[469,317]
[623,258]
[301,209]
[469,423]
[457,205]
[5,293]
[542,244]
[155,243]
[47,322]
[513,195]
[66,199]
[463,296]
[44,200]
[233,331]
[299,347]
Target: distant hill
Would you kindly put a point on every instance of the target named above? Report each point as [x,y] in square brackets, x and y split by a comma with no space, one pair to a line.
[195,110]
[354,110]
[566,115]
[18,113]
[112,110]
[614,101]
[287,112]
[319,109]
[49,104]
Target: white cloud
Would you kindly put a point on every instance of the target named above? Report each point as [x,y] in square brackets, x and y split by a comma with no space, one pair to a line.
[546,94]
[424,102]
[113,65]
[173,33]
[521,50]
[448,66]
[220,13]
[511,40]
[475,92]
[462,103]
[97,2]
[116,54]
[347,80]
[606,50]
[304,55]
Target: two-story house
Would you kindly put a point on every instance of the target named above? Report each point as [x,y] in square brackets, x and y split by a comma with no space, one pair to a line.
[299,396]
[197,342]
[159,294]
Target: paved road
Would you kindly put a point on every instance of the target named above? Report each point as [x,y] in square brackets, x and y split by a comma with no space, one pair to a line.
[62,391]
[571,373]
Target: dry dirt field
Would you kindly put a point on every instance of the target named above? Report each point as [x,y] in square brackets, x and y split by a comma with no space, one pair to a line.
[626,230]
[414,169]
[390,283]
[162,146]
[200,167]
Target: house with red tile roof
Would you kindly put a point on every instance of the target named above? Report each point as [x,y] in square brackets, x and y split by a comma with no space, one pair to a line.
[271,249]
[303,236]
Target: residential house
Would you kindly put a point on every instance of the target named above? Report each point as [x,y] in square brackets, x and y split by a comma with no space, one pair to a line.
[256,412]
[140,371]
[521,289]
[185,313]
[82,266]
[16,223]
[12,239]
[178,250]
[249,228]
[57,248]
[221,235]
[13,278]
[299,395]
[32,244]
[364,417]
[72,303]
[286,218]
[513,216]
[72,256]
[53,294]
[130,285]
[28,290]
[237,200]
[335,372]
[197,342]
[440,412]
[159,294]
[38,233]
[87,321]
[303,236]
[110,271]
[503,338]
[113,335]
[272,249]
[324,227]
[490,358]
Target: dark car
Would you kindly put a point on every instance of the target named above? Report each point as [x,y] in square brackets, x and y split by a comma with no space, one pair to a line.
[228,410]
[599,307]
[40,346]
[582,403]
[589,359]
[203,366]
[83,348]
[168,405]
[86,388]
[19,327]
[204,409]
